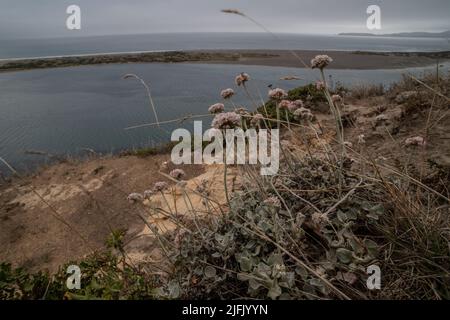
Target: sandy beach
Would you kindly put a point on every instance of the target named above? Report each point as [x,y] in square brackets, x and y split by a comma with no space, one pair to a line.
[341,59]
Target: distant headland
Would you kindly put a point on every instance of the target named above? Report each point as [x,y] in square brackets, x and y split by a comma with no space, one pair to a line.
[445,34]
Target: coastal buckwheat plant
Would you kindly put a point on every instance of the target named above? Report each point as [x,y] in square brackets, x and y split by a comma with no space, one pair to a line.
[285,104]
[160,186]
[256,120]
[148,194]
[321,61]
[320,85]
[242,111]
[296,104]
[303,113]
[216,108]
[177,174]
[277,94]
[228,120]
[241,79]
[227,93]
[135,197]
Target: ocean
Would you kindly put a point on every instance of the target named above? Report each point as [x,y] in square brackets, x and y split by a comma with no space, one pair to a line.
[26,48]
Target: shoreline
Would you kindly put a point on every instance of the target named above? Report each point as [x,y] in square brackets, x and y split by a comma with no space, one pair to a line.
[356,60]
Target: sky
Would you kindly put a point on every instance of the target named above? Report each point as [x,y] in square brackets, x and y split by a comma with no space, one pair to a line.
[47,18]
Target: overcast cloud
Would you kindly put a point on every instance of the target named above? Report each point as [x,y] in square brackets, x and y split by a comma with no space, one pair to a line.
[46,18]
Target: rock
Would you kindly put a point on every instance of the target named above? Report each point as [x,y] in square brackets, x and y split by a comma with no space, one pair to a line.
[442,161]
[97,170]
[381,118]
[415,141]
[405,96]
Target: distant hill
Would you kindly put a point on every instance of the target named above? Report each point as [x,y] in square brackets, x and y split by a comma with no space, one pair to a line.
[445,34]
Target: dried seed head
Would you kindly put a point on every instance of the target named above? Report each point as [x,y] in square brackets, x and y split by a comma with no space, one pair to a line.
[233,11]
[321,61]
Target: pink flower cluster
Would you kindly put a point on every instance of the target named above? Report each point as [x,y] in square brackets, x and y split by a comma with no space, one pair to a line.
[278,94]
[256,119]
[160,186]
[177,174]
[227,93]
[148,194]
[135,197]
[285,104]
[216,108]
[242,79]
[320,85]
[228,120]
[321,61]
[242,111]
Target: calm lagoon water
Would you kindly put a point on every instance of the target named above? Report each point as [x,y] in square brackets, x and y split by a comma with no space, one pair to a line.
[62,111]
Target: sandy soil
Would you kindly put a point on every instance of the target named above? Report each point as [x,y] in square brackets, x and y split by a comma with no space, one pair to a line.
[281,58]
[68,210]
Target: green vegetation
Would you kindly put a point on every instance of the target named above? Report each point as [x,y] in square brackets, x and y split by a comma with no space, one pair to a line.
[105,275]
[309,94]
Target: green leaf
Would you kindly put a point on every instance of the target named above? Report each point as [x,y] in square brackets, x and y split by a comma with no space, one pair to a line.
[174,290]
[245,264]
[243,277]
[301,272]
[342,216]
[275,291]
[254,284]
[344,255]
[372,247]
